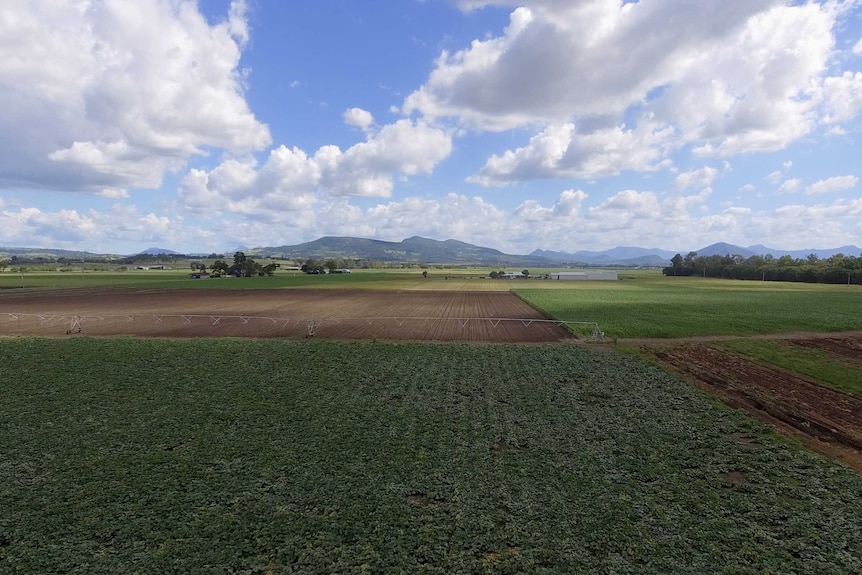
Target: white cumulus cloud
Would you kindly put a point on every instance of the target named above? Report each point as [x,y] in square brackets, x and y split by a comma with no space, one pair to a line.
[559,151]
[830,185]
[111,94]
[702,177]
[359,118]
[722,77]
[291,182]
[789,186]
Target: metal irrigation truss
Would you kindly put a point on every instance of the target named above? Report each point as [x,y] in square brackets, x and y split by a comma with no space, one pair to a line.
[75,323]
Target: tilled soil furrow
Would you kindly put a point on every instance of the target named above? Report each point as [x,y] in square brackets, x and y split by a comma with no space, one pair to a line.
[339,314]
[817,411]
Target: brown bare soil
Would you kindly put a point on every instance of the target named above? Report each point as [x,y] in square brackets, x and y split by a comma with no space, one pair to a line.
[847,348]
[341,314]
[828,420]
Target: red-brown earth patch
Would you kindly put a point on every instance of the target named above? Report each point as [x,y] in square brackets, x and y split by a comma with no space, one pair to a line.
[340,314]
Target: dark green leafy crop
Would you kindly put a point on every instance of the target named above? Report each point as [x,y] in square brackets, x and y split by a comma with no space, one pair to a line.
[230,456]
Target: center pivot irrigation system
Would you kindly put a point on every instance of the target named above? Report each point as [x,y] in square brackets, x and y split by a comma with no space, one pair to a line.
[75,323]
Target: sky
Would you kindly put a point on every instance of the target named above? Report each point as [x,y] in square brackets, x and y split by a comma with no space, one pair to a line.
[519,125]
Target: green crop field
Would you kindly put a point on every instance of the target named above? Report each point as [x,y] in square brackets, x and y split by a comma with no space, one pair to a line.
[683,307]
[237,456]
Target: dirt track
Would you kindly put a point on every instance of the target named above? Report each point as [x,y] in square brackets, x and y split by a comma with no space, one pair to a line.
[342,314]
[828,420]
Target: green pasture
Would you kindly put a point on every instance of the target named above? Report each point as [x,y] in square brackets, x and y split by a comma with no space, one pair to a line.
[659,307]
[235,456]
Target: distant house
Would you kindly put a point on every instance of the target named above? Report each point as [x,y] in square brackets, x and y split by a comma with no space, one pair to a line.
[200,276]
[585,276]
[155,267]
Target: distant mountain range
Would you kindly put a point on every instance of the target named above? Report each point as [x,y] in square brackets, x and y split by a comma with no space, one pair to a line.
[652,257]
[418,249]
[415,249]
[615,256]
[157,252]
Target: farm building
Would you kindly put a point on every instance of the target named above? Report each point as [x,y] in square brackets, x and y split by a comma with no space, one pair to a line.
[588,275]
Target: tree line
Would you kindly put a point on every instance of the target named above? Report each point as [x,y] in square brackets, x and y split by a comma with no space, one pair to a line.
[837,269]
[243,266]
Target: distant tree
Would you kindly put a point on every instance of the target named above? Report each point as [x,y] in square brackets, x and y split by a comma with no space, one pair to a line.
[834,270]
[220,267]
[525,273]
[243,266]
[268,269]
[676,264]
[424,273]
[4,263]
[331,265]
[494,275]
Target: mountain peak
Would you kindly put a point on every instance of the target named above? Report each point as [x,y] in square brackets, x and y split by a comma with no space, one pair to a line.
[156,252]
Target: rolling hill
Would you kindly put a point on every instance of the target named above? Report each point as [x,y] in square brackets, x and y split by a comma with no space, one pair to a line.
[425,250]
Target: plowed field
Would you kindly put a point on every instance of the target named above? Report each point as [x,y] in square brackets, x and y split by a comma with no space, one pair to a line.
[829,420]
[848,348]
[343,314]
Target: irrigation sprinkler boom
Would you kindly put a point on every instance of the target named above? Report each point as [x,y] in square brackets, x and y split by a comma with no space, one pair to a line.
[274,325]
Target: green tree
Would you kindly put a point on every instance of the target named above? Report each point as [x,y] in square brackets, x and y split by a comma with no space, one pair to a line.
[525,273]
[219,267]
[494,275]
[676,264]
[312,266]
[4,263]
[243,266]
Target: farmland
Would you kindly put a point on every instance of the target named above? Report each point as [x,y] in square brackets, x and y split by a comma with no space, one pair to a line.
[355,452]
[695,307]
[243,456]
[347,314]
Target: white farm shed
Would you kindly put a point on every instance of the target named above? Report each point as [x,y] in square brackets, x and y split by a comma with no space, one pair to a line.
[589,275]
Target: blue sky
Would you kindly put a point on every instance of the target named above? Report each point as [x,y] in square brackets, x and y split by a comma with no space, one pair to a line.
[552,124]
